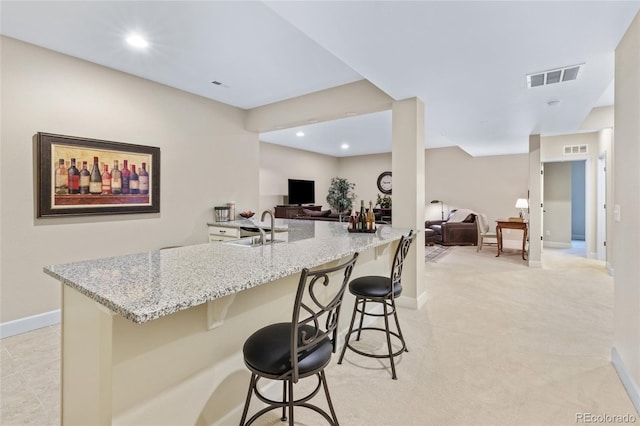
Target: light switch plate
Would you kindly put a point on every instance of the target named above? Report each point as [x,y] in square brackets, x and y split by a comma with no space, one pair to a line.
[616,212]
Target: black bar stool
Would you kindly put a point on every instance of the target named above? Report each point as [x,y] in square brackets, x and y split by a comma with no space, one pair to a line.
[382,290]
[301,348]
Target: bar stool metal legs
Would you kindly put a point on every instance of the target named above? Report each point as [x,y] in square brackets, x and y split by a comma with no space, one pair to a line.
[300,349]
[383,290]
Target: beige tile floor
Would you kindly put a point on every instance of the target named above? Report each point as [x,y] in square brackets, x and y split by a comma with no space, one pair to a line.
[496,344]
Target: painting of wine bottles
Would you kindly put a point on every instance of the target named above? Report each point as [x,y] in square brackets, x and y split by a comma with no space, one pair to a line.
[80,176]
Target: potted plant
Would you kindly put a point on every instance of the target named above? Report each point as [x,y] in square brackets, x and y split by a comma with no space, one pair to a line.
[384,201]
[341,195]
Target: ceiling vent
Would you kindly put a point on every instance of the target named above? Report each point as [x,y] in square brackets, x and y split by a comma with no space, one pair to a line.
[575,149]
[559,75]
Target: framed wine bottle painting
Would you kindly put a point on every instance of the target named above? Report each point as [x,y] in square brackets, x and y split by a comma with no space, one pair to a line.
[80,176]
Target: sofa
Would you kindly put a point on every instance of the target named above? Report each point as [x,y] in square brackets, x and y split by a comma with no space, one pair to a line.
[322,215]
[458,229]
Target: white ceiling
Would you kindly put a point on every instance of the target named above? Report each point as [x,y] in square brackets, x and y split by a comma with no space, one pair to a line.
[467,61]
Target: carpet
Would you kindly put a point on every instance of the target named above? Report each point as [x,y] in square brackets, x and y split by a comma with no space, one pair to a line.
[434,252]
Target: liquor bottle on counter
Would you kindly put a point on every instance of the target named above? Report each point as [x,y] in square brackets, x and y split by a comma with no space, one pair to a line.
[143,176]
[95,184]
[371,218]
[62,178]
[134,182]
[106,180]
[362,217]
[85,179]
[116,179]
[126,174]
[74,178]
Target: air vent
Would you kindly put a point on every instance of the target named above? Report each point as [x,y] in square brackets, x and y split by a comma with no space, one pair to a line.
[559,75]
[575,149]
[219,83]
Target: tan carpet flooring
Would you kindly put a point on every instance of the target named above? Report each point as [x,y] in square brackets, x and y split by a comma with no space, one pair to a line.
[497,343]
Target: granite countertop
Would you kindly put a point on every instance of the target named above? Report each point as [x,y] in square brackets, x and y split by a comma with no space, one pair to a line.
[145,286]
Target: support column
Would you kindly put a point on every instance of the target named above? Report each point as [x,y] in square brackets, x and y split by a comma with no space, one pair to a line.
[407,166]
[535,201]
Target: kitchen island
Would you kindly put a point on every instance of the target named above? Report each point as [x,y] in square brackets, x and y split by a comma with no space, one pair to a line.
[156,337]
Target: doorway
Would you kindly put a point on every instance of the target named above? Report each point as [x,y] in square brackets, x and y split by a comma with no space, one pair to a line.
[565,206]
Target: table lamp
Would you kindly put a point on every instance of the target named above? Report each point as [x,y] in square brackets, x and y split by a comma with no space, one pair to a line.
[522,204]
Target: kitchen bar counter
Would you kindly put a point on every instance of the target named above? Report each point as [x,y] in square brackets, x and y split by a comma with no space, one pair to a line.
[156,337]
[145,286]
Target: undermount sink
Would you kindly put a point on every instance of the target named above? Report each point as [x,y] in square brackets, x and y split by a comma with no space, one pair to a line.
[251,242]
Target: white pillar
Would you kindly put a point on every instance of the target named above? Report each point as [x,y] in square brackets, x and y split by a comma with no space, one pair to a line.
[408,192]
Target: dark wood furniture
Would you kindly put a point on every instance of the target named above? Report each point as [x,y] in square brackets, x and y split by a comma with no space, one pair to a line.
[382,215]
[290,212]
[506,224]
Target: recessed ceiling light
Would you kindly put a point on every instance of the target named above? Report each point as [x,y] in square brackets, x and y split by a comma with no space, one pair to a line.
[300,134]
[344,146]
[137,41]
[553,103]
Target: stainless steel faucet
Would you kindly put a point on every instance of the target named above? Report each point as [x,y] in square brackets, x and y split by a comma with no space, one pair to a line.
[273,225]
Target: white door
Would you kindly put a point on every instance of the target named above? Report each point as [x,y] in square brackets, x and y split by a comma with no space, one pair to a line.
[601,214]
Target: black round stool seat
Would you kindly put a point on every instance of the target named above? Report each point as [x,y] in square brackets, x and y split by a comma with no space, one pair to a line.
[268,351]
[373,286]
[382,290]
[301,349]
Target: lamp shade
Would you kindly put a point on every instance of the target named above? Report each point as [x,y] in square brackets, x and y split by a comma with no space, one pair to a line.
[522,203]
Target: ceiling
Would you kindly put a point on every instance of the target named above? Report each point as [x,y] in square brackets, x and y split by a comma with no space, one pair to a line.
[467,61]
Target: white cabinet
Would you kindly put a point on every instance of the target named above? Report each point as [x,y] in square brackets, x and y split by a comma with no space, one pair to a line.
[223,233]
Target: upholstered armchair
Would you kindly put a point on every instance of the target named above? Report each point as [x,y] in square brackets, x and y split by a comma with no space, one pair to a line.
[459,228]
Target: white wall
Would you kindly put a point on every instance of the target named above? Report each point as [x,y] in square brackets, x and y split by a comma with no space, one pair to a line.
[557,205]
[279,163]
[207,158]
[626,232]
[605,147]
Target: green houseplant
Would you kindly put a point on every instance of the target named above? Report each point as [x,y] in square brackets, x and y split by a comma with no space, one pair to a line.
[341,195]
[384,201]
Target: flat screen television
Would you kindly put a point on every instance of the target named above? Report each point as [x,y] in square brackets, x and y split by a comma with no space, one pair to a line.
[302,191]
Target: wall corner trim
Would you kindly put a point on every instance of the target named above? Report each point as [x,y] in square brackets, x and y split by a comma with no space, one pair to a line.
[627,381]
[412,303]
[23,325]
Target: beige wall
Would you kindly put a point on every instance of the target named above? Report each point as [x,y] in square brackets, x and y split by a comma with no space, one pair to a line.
[489,185]
[450,174]
[626,232]
[364,170]
[557,205]
[551,150]
[279,163]
[207,158]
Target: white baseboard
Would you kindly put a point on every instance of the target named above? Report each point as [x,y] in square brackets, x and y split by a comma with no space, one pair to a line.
[23,325]
[412,303]
[610,269]
[556,244]
[629,384]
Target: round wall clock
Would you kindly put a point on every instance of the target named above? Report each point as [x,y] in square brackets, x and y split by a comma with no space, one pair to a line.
[384,182]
